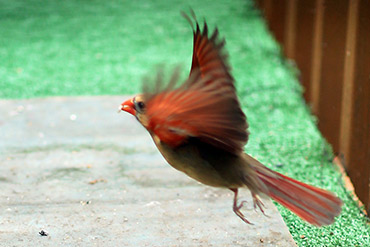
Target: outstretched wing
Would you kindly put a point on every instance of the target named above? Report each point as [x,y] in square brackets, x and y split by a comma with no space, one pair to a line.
[207,111]
[209,55]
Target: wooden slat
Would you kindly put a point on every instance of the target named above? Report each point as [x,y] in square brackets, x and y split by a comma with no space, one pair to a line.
[281,18]
[290,28]
[358,148]
[266,8]
[303,48]
[348,87]
[276,19]
[332,66]
[316,56]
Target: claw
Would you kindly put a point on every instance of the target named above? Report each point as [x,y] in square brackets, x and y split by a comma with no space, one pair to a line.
[236,207]
[258,203]
[241,205]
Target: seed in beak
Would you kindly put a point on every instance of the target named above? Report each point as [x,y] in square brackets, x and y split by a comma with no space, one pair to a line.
[120,108]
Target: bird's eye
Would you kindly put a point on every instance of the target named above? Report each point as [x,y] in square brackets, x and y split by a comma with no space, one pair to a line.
[139,106]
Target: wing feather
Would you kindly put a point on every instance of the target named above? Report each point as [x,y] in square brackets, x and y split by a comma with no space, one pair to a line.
[206,105]
[198,109]
[209,55]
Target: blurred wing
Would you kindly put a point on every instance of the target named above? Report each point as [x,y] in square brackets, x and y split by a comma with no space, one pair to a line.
[209,112]
[209,55]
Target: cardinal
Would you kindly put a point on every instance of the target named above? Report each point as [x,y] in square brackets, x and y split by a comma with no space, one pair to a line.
[200,130]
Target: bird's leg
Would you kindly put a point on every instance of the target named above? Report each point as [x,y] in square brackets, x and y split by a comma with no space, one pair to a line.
[258,203]
[236,207]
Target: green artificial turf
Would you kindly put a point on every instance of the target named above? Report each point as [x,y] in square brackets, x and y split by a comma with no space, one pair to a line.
[80,47]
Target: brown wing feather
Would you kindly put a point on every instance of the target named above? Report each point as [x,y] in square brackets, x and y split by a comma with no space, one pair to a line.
[199,109]
[209,55]
[206,105]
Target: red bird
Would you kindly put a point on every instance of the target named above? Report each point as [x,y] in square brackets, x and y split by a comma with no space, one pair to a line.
[200,129]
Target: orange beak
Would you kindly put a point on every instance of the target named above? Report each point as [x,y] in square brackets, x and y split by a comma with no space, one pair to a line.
[128,106]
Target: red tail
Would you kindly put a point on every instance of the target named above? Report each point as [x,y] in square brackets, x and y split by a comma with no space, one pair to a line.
[315,205]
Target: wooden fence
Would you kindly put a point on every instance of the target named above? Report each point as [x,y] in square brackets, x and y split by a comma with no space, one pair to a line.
[329,40]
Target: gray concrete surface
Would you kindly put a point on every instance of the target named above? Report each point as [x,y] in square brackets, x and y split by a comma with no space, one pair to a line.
[88,176]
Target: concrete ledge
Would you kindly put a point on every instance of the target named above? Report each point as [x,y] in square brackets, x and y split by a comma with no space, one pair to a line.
[88,176]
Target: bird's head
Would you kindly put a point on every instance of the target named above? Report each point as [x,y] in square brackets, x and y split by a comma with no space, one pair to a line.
[135,106]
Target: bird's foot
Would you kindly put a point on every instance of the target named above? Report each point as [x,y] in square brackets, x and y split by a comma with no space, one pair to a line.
[258,203]
[237,207]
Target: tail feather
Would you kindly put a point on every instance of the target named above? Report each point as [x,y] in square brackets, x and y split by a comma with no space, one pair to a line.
[316,206]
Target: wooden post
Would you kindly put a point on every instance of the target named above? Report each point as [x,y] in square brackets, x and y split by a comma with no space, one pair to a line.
[303,48]
[316,56]
[276,19]
[266,7]
[355,119]
[290,29]
[349,76]
[281,18]
[332,66]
